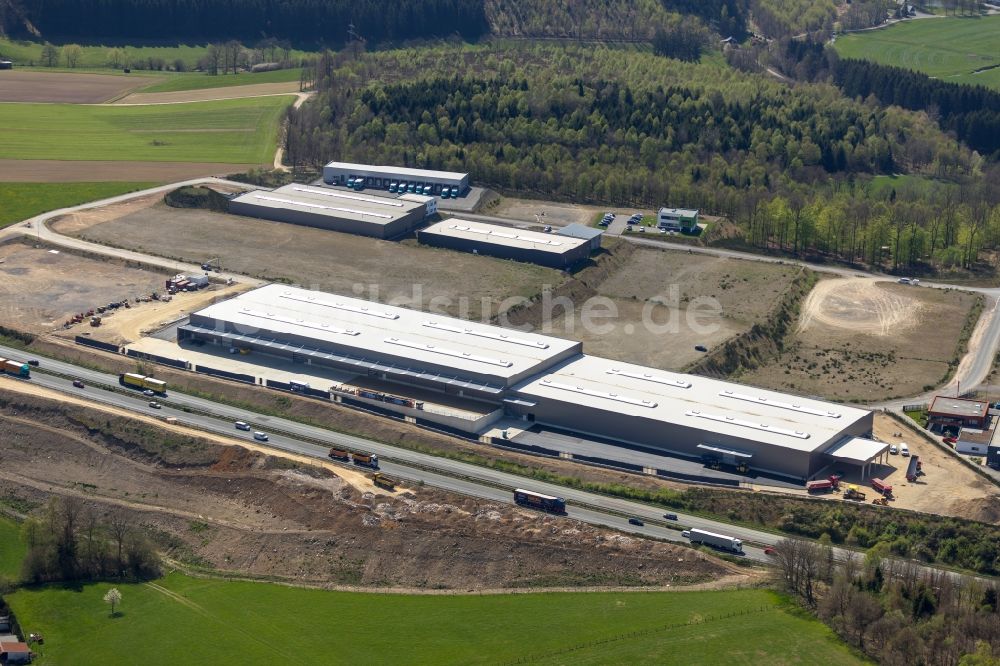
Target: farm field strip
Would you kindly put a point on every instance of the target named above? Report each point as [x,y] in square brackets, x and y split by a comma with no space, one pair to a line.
[233,131]
[951,49]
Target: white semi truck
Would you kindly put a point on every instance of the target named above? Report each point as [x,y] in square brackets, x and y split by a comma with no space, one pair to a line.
[713,539]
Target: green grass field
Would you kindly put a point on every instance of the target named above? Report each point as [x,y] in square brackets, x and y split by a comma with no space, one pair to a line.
[950,49]
[12,548]
[218,622]
[200,81]
[25,53]
[24,200]
[238,131]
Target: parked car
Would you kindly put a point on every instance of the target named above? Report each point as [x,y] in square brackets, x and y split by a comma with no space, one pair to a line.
[951,440]
[893,450]
[78,383]
[904,450]
[635,521]
[547,229]
[33,361]
[670,516]
[701,348]
[770,551]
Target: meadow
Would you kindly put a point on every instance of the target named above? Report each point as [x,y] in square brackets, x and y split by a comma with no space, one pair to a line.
[233,131]
[23,200]
[174,82]
[241,622]
[950,49]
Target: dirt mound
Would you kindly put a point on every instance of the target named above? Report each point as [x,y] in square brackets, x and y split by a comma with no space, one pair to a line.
[861,305]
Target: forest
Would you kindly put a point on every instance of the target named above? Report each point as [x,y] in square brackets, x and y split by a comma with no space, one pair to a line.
[312,24]
[306,23]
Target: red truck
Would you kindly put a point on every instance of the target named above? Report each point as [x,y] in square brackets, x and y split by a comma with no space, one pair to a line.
[823,485]
[882,487]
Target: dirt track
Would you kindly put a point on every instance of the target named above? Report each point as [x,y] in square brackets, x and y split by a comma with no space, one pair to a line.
[59,171]
[67,88]
[858,304]
[206,94]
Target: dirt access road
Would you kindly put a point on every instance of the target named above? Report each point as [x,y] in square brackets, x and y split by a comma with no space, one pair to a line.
[67,88]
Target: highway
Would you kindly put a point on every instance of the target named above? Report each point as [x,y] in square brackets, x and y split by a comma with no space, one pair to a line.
[413,466]
[441,472]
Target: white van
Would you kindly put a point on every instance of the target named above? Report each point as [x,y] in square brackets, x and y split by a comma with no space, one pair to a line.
[242,425]
[260,436]
[904,450]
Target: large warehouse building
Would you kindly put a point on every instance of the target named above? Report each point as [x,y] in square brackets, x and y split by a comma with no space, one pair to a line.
[348,212]
[339,173]
[507,243]
[544,381]
[695,416]
[408,346]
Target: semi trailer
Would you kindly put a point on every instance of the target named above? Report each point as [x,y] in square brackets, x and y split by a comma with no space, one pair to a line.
[715,540]
[16,368]
[141,382]
[539,501]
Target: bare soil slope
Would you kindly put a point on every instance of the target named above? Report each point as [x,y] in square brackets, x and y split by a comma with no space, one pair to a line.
[864,340]
[230,508]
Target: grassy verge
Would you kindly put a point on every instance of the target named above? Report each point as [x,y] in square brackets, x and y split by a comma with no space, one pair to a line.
[239,131]
[239,622]
[24,200]
[12,550]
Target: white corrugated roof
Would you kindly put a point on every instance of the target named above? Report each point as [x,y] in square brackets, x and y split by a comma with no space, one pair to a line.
[331,203]
[373,329]
[396,171]
[697,402]
[495,234]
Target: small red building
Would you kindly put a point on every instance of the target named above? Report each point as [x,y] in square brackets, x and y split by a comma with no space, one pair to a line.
[955,413]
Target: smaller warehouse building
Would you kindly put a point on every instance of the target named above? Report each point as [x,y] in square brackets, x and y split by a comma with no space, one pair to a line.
[677,219]
[951,414]
[339,173]
[347,212]
[975,441]
[506,243]
[589,234]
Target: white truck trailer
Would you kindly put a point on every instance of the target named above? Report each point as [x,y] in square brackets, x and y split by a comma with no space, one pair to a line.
[713,539]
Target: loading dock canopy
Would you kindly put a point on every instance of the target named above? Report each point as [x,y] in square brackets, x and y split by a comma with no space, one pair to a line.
[857,450]
[724,451]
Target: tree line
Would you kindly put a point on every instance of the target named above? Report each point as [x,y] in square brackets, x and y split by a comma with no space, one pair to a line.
[893,611]
[971,112]
[72,541]
[308,23]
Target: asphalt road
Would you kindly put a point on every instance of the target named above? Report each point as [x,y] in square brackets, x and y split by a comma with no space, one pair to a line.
[397,462]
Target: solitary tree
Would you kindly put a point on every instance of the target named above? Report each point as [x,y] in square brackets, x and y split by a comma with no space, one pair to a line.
[50,55]
[113,597]
[72,53]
